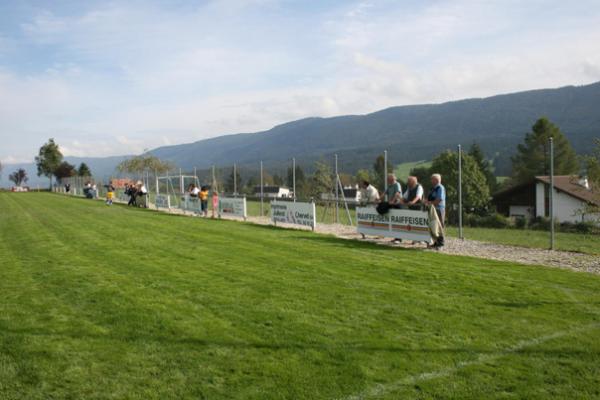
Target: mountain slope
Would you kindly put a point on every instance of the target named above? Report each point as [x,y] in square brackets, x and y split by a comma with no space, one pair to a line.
[410,133]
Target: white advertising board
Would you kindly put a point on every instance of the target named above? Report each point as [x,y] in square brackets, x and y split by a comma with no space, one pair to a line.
[162,201]
[397,223]
[232,206]
[294,213]
[189,203]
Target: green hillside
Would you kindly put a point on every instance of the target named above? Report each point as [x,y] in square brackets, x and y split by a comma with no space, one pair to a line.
[106,302]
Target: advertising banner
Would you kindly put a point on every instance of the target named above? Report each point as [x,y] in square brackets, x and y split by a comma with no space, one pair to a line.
[397,223]
[294,213]
[232,206]
[189,203]
[162,201]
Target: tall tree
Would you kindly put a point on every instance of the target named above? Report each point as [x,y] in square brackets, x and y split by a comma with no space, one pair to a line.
[1,170]
[592,166]
[476,194]
[364,175]
[48,159]
[84,170]
[485,166]
[234,183]
[300,178]
[144,163]
[533,155]
[322,180]
[64,170]
[19,177]
[277,180]
[381,170]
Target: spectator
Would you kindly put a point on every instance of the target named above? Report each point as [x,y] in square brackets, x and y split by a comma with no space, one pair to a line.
[368,194]
[131,191]
[110,193]
[437,199]
[393,193]
[194,191]
[142,191]
[413,194]
[203,195]
[215,202]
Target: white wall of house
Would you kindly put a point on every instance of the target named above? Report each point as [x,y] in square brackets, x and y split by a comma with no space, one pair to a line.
[565,206]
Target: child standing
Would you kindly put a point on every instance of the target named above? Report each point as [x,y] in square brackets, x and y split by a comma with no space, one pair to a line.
[204,200]
[215,202]
[110,193]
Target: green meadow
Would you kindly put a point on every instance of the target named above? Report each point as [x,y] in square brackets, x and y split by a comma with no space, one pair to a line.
[102,302]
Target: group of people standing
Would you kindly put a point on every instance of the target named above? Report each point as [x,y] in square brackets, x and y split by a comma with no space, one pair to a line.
[202,194]
[412,198]
[135,192]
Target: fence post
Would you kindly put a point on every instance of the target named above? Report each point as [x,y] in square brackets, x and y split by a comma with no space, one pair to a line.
[385,173]
[337,219]
[551,193]
[460,206]
[261,189]
[294,177]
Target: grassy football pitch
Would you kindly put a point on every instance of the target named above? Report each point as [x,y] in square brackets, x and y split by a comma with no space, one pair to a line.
[101,302]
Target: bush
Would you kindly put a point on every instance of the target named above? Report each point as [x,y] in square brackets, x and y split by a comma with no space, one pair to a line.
[497,221]
[520,223]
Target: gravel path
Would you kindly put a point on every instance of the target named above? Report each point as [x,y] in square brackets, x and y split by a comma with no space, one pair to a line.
[559,259]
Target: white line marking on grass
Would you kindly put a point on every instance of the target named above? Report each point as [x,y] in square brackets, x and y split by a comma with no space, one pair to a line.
[382,389]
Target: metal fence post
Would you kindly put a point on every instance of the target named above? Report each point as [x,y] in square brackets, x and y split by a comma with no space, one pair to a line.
[294,177]
[551,193]
[460,206]
[385,172]
[261,190]
[234,180]
[337,220]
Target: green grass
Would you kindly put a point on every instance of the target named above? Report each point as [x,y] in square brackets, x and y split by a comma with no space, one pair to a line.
[403,170]
[577,242]
[103,302]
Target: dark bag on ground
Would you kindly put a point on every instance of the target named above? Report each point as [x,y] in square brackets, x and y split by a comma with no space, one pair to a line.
[383,208]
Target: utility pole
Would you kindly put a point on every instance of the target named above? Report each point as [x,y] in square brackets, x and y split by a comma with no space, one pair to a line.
[551,193]
[234,180]
[294,177]
[460,206]
[261,190]
[337,219]
[385,172]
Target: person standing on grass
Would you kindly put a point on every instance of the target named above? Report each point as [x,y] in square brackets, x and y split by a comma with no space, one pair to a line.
[203,195]
[215,202]
[110,193]
[437,199]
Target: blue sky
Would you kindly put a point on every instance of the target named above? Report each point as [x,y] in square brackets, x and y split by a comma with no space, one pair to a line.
[117,77]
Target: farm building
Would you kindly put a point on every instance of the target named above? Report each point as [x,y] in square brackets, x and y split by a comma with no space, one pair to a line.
[273,192]
[528,200]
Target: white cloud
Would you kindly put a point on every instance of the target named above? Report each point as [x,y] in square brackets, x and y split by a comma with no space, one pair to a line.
[121,78]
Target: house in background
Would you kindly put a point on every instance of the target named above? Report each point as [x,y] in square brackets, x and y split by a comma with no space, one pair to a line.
[273,192]
[528,200]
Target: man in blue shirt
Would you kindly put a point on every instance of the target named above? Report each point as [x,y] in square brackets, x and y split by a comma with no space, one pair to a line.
[437,198]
